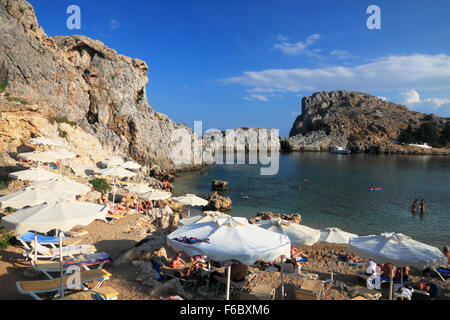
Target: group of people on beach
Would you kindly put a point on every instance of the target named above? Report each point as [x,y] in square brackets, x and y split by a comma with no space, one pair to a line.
[127,203]
[422,205]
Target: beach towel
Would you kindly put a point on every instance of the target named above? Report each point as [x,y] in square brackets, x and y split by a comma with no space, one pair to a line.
[73,249]
[29,236]
[301,259]
[191,240]
[89,260]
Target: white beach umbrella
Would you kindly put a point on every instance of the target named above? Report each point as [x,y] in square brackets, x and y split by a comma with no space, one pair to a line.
[116,172]
[62,154]
[47,156]
[34,174]
[61,184]
[63,216]
[36,156]
[231,238]
[138,188]
[130,165]
[298,234]
[113,161]
[206,217]
[335,235]
[46,141]
[397,249]
[155,195]
[33,197]
[191,200]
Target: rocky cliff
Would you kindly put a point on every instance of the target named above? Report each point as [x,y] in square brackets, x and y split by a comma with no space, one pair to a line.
[85,82]
[358,121]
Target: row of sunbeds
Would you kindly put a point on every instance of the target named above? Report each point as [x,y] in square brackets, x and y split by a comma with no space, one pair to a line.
[44,256]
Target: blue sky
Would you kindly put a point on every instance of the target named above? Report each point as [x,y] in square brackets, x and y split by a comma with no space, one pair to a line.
[248,63]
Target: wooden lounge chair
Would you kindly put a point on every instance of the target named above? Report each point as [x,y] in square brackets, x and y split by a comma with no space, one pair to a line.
[103,293]
[33,288]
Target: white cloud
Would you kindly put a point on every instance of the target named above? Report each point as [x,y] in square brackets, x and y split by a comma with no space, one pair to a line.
[439,106]
[295,48]
[253,97]
[391,73]
[341,54]
[382,98]
[114,24]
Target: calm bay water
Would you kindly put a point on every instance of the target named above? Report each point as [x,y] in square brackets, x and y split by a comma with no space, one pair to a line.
[331,190]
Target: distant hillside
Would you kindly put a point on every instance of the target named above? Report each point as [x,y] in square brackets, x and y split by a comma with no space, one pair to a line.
[362,123]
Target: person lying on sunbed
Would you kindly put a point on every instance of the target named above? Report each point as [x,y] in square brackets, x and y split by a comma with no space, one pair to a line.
[427,286]
[353,258]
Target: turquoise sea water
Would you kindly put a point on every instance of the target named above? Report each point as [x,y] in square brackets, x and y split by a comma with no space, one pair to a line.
[334,192]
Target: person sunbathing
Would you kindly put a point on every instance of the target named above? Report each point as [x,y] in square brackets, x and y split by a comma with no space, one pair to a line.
[177,262]
[296,256]
[426,286]
[353,257]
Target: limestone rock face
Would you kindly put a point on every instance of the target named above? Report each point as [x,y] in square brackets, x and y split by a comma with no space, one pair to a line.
[86,82]
[358,121]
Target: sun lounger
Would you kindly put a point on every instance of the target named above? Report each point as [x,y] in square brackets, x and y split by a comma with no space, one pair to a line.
[98,259]
[97,294]
[359,298]
[310,290]
[53,253]
[371,294]
[234,284]
[33,288]
[262,292]
[49,242]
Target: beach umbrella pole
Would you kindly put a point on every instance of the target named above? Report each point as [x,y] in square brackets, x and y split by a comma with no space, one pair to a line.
[282,278]
[61,272]
[391,283]
[35,246]
[228,280]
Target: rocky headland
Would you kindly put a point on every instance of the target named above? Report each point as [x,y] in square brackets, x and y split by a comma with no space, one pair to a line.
[357,121]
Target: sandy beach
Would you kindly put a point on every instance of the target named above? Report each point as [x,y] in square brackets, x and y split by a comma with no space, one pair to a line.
[115,240]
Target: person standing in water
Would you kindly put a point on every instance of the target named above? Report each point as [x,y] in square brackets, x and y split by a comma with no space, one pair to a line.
[414,205]
[422,206]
